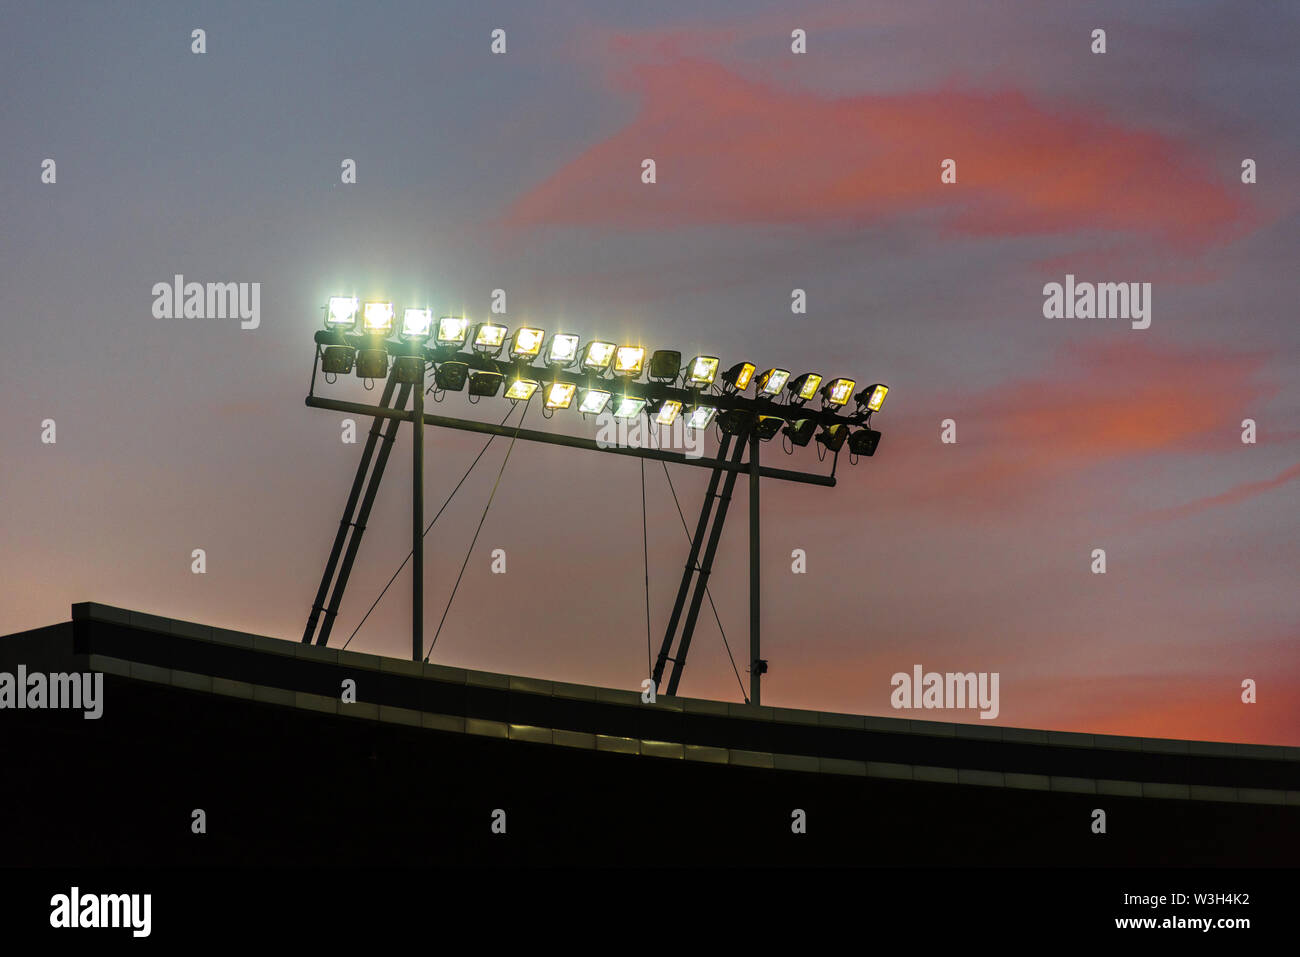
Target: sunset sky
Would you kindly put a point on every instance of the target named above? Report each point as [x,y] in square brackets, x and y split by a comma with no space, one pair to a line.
[775,171]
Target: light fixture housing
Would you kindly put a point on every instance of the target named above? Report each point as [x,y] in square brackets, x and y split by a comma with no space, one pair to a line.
[668,411]
[767,426]
[372,364]
[593,401]
[597,356]
[665,365]
[337,360]
[837,392]
[526,343]
[562,350]
[489,338]
[341,313]
[629,361]
[520,390]
[629,407]
[833,436]
[409,369]
[452,331]
[801,431]
[739,376]
[417,324]
[872,398]
[804,388]
[736,421]
[483,383]
[864,442]
[377,318]
[451,375]
[559,395]
[701,416]
[771,382]
[702,371]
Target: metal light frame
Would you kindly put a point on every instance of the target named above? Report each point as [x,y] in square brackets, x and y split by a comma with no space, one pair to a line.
[774,415]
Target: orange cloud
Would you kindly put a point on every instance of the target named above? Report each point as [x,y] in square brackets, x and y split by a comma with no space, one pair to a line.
[1114,398]
[737,151]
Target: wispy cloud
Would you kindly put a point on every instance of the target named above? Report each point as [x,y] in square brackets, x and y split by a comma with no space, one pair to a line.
[735,150]
[1094,404]
[1239,493]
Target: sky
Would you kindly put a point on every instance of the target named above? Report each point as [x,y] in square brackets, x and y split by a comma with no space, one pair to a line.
[775,171]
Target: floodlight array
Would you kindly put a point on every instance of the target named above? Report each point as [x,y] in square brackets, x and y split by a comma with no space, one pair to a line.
[596,375]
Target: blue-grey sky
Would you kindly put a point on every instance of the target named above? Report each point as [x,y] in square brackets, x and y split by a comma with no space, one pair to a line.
[775,171]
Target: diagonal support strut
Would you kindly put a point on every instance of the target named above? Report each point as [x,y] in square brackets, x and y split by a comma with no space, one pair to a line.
[706,566]
[345,523]
[357,526]
[692,565]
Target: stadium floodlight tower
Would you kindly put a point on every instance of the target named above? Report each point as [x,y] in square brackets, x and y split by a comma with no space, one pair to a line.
[595,377]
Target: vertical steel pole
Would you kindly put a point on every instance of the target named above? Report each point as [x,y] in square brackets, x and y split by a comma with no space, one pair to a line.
[755,657]
[417,520]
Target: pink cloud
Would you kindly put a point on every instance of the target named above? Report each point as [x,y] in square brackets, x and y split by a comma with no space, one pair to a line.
[1239,493]
[732,150]
[1095,404]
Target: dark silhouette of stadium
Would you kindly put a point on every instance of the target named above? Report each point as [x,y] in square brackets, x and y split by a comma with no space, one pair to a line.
[254,732]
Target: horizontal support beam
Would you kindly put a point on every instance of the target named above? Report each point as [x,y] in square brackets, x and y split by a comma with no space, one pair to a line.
[573,442]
